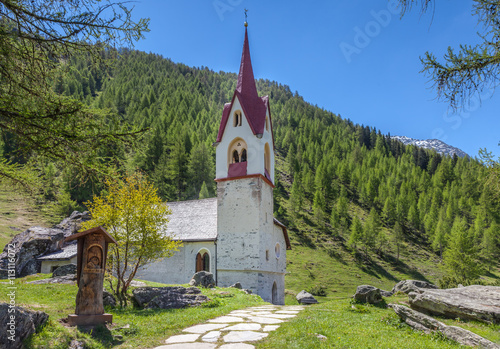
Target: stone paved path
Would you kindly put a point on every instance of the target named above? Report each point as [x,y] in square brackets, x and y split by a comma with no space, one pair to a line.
[236,330]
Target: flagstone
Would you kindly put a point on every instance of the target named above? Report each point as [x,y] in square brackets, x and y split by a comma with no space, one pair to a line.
[182,338]
[299,308]
[269,328]
[237,346]
[258,313]
[265,320]
[279,316]
[223,319]
[212,336]
[245,326]
[188,346]
[204,328]
[244,336]
[287,312]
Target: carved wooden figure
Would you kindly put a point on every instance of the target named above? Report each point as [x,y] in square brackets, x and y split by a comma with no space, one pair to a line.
[91,265]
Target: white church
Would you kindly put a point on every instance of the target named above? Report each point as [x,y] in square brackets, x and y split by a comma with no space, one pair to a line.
[234,236]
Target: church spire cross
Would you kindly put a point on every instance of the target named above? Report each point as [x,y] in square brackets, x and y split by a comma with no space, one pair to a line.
[246,17]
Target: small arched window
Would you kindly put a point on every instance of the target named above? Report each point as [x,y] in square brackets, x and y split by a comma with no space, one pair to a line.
[237,118]
[267,124]
[267,160]
[202,261]
[236,157]
[277,250]
[237,151]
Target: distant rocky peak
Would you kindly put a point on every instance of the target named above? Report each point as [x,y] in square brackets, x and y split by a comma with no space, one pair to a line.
[436,144]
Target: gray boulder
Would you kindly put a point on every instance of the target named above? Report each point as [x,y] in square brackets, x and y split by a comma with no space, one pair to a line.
[236,285]
[468,338]
[65,270]
[37,241]
[306,298]
[407,286]
[25,323]
[476,302]
[108,299]
[422,322]
[203,279]
[416,319]
[168,297]
[367,294]
[71,224]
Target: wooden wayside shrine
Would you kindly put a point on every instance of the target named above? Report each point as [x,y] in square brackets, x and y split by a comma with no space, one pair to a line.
[91,265]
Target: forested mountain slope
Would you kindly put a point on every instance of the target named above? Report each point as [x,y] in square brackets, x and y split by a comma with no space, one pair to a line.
[346,192]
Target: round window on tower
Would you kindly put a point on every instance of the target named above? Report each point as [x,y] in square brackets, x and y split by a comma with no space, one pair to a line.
[277,250]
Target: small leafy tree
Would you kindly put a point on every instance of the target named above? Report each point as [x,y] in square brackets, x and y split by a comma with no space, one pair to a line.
[135,216]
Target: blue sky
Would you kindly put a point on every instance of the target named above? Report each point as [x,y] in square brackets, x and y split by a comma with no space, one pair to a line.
[354,58]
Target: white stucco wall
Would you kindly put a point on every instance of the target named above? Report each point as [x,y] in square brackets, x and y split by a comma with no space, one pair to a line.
[179,268]
[255,151]
[47,265]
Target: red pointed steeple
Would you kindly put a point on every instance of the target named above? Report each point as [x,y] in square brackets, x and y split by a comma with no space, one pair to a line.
[246,81]
[254,107]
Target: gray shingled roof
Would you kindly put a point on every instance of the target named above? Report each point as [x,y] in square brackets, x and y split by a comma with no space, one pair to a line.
[193,220]
[67,252]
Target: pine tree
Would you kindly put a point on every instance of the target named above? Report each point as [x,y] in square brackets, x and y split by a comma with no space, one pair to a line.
[356,233]
[460,257]
[203,192]
[397,238]
[489,246]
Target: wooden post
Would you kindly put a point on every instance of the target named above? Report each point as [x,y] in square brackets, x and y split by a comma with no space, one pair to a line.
[91,265]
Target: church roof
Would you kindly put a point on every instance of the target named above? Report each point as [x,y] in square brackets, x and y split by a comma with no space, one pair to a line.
[254,107]
[193,220]
[196,220]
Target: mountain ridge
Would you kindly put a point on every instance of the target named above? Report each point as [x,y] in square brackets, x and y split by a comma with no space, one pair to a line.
[436,144]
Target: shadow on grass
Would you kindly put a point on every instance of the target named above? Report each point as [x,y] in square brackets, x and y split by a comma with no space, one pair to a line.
[491,275]
[369,266]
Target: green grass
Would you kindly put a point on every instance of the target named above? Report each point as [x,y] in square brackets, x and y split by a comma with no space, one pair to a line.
[344,324]
[146,328]
[347,325]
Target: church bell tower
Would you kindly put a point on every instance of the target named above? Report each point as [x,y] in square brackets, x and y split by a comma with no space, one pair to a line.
[251,246]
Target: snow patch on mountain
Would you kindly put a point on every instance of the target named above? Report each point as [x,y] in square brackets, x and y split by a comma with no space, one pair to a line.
[436,144]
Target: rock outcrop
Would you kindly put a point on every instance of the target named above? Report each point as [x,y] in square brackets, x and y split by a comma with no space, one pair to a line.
[65,270]
[367,294]
[203,279]
[407,286]
[37,241]
[108,299]
[476,302]
[428,324]
[306,298]
[25,323]
[168,297]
